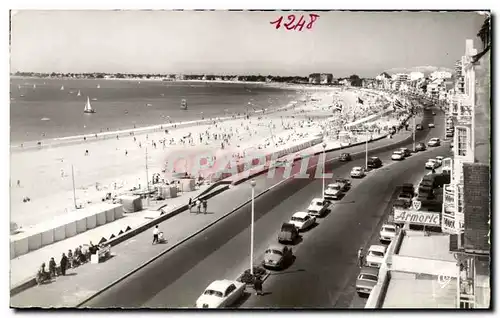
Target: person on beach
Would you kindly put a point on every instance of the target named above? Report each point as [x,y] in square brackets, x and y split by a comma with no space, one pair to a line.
[156,231]
[52,267]
[126,152]
[86,152]
[190,204]
[18,183]
[64,264]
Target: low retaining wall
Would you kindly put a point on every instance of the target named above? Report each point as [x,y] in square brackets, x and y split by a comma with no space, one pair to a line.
[126,234]
[64,227]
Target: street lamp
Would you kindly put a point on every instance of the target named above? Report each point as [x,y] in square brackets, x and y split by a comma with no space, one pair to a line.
[323,176]
[366,150]
[414,128]
[252,183]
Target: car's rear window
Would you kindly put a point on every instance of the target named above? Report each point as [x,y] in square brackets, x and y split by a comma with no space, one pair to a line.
[376,253]
[368,277]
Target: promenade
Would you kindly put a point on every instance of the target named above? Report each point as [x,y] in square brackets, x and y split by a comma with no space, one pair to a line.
[84,281]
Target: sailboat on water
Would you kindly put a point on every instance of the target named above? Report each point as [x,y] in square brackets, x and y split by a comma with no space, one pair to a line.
[98,86]
[88,109]
[34,86]
[62,87]
[79,94]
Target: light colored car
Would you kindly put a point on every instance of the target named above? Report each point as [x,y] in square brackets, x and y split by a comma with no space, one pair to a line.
[434,142]
[397,155]
[439,160]
[388,232]
[221,293]
[431,125]
[318,207]
[375,255]
[431,164]
[367,279]
[277,256]
[302,220]
[333,191]
[357,172]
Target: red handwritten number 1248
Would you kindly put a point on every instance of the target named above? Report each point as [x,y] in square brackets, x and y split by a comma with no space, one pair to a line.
[291,25]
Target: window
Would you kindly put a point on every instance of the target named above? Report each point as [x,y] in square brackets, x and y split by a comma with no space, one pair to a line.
[461,141]
[230,289]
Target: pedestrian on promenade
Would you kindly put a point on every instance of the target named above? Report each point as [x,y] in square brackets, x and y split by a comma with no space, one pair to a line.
[360,257]
[205,206]
[190,204]
[70,258]
[156,231]
[126,152]
[18,183]
[257,285]
[198,205]
[64,264]
[52,267]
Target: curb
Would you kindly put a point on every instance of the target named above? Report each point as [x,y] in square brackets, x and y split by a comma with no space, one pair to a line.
[174,246]
[31,282]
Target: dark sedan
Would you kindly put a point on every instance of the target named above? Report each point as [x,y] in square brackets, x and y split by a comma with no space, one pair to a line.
[420,147]
[345,157]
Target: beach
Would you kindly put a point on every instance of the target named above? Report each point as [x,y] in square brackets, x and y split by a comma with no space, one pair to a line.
[118,163]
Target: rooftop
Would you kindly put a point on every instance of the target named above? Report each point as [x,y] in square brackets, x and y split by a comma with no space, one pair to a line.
[410,290]
[434,246]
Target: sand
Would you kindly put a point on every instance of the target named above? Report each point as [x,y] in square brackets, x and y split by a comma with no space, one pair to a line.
[116,165]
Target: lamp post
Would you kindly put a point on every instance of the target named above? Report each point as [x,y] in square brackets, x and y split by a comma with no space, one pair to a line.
[252,183]
[323,176]
[414,128]
[366,150]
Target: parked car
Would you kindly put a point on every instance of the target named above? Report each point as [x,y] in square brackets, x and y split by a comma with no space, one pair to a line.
[397,155]
[302,220]
[345,157]
[375,255]
[439,160]
[345,184]
[434,142]
[401,204]
[388,232]
[277,256]
[406,152]
[288,233]
[357,172]
[420,147]
[405,196]
[367,279]
[333,191]
[419,127]
[431,125]
[431,164]
[449,134]
[221,293]
[408,188]
[374,162]
[318,207]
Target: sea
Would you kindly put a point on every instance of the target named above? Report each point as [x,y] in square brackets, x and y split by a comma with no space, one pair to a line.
[50,108]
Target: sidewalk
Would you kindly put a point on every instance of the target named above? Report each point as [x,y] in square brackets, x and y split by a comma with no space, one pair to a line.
[25,266]
[87,280]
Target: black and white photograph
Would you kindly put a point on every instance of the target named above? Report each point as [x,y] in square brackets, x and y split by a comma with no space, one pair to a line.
[250,159]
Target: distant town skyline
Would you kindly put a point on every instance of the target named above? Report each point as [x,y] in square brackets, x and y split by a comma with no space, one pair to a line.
[222,42]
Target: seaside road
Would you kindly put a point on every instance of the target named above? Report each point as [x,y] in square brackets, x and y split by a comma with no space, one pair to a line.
[71,290]
[176,279]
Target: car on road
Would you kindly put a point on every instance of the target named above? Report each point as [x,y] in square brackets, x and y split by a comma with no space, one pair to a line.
[367,279]
[345,183]
[431,164]
[288,233]
[408,188]
[374,162]
[345,157]
[388,232]
[405,151]
[221,293]
[277,256]
[420,146]
[333,191]
[302,220]
[434,142]
[433,114]
[431,125]
[318,207]
[357,172]
[401,204]
[419,127]
[405,196]
[397,155]
[449,134]
[439,160]
[375,256]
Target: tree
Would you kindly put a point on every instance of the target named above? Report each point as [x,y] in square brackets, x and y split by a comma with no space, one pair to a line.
[355,80]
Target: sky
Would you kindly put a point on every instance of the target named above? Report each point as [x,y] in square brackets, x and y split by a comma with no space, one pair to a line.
[224,42]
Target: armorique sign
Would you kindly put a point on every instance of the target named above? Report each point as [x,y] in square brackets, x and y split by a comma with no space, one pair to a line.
[417,217]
